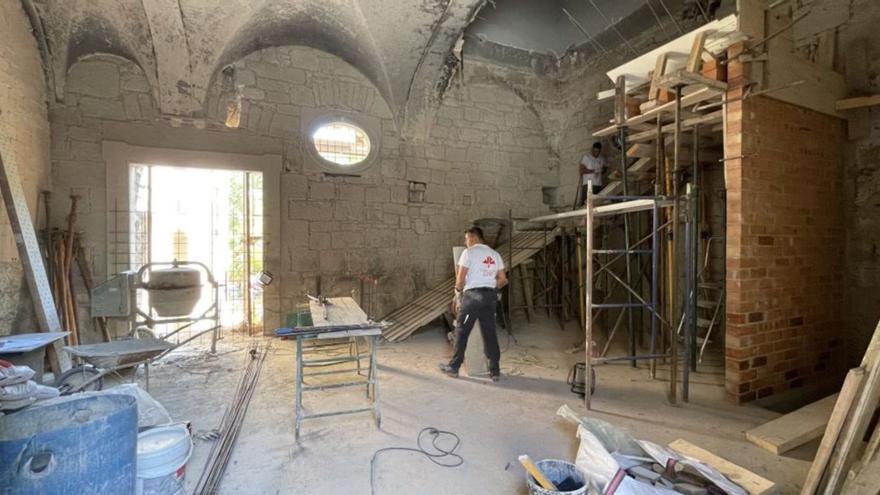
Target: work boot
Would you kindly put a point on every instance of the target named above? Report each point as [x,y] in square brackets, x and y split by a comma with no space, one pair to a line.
[449,370]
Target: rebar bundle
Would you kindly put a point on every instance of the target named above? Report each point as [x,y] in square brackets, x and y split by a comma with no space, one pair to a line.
[230,426]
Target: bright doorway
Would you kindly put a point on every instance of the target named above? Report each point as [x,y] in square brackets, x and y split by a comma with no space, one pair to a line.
[213,216]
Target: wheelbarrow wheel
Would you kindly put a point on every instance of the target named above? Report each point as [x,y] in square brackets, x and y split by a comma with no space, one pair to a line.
[72,380]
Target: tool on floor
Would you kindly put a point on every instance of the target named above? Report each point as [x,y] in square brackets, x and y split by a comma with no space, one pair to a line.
[536,473]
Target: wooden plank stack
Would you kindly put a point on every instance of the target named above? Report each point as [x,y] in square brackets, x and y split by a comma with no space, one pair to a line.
[435,302]
[838,467]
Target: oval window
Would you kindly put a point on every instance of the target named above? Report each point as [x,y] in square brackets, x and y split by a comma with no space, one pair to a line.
[341,143]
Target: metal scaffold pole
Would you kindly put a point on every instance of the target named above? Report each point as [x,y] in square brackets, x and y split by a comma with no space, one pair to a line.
[588,297]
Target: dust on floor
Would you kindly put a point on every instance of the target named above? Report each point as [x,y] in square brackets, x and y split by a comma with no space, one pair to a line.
[495,421]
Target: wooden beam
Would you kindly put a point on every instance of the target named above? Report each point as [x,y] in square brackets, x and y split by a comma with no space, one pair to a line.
[848,392]
[32,262]
[699,95]
[709,118]
[795,428]
[751,482]
[857,102]
[695,58]
[684,78]
[659,71]
[858,419]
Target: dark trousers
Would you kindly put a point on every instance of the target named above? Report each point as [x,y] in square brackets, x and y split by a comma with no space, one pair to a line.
[477,304]
[596,190]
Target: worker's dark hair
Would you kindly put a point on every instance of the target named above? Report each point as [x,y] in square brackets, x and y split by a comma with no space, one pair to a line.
[597,145]
[474,230]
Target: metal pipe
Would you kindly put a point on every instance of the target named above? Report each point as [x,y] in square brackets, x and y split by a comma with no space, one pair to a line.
[588,295]
[688,255]
[695,248]
[655,272]
[673,272]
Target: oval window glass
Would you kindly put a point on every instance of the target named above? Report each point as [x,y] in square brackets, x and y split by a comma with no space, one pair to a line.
[341,143]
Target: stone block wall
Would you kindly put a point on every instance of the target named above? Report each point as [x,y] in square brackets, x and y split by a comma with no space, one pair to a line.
[24,140]
[486,154]
[859,54]
[785,244]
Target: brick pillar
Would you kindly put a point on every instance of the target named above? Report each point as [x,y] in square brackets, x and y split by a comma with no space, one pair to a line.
[785,245]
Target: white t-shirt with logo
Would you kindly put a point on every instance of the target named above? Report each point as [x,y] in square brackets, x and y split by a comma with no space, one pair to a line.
[483,264]
[594,164]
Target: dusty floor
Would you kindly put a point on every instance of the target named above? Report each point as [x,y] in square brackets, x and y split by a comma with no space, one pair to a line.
[496,422]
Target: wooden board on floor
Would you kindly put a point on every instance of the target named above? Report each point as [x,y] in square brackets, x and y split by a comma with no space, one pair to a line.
[795,428]
[751,482]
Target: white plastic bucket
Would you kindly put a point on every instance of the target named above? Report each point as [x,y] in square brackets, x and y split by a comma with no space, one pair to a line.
[162,454]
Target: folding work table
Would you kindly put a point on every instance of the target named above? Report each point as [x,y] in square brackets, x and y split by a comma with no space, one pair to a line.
[334,318]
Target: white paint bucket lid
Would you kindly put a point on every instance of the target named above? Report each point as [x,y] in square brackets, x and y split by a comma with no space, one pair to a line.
[162,450]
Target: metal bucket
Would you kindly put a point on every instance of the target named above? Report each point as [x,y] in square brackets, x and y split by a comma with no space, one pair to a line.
[85,445]
[558,472]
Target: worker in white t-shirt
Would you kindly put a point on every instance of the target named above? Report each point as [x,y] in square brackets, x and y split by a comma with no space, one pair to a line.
[591,169]
[480,273]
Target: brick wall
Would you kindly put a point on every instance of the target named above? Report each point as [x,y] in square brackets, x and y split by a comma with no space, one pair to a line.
[785,245]
[24,139]
[486,153]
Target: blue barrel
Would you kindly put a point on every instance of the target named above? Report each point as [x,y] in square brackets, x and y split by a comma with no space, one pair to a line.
[86,445]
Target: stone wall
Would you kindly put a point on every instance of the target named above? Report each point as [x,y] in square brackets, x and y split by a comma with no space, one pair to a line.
[486,154]
[24,140]
[785,236]
[859,51]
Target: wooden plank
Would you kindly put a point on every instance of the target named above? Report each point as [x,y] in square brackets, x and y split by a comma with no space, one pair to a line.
[722,33]
[751,482]
[659,71]
[858,420]
[795,428]
[857,102]
[684,78]
[32,262]
[707,119]
[640,150]
[695,58]
[429,306]
[851,386]
[341,311]
[866,482]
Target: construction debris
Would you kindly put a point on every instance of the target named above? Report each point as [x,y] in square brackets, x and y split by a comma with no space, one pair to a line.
[615,462]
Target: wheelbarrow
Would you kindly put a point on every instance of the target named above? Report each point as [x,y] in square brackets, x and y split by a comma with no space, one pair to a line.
[99,360]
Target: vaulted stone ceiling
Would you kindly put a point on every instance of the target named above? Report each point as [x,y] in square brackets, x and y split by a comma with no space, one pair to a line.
[182,45]
[402,46]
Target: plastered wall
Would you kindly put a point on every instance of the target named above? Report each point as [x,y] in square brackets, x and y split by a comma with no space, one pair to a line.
[24,140]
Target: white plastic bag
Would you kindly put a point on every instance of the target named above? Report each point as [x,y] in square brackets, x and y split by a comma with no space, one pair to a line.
[602,444]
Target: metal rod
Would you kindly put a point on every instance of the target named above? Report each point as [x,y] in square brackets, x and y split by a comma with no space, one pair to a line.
[621,133]
[677,26]
[673,172]
[588,295]
[695,248]
[590,38]
[613,27]
[629,358]
[657,17]
[655,272]
[688,255]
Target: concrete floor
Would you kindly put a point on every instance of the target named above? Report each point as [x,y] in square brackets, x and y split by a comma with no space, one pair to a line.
[496,422]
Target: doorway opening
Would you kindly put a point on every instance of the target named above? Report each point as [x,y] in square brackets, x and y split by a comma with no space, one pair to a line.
[211,216]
